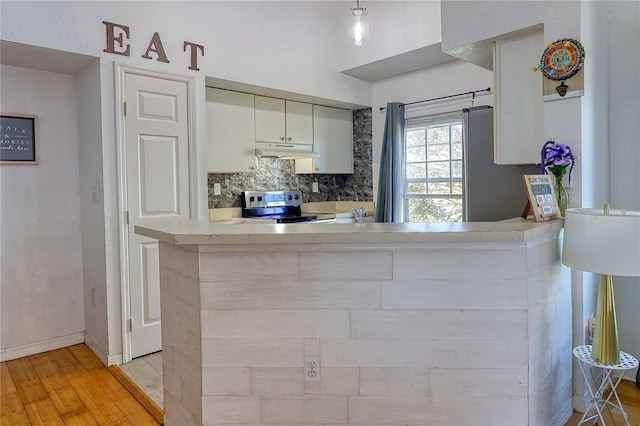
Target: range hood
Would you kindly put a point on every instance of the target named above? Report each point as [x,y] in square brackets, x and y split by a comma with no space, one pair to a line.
[284,151]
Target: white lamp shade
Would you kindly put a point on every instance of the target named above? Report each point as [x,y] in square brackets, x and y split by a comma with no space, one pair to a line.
[604,244]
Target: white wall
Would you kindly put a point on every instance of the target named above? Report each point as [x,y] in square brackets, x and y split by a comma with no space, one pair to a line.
[470,21]
[92,208]
[624,142]
[395,27]
[277,44]
[589,169]
[41,274]
[611,131]
[442,80]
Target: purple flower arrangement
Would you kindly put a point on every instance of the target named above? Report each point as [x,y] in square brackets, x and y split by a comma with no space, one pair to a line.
[556,157]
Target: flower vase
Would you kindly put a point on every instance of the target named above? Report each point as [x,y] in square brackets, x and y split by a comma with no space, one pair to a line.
[562,195]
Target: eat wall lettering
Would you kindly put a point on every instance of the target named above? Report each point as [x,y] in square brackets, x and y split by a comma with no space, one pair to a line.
[117,44]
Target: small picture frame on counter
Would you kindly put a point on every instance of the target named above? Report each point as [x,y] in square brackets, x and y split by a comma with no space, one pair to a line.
[18,139]
[542,198]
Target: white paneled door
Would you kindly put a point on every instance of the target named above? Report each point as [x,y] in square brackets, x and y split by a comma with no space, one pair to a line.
[157,185]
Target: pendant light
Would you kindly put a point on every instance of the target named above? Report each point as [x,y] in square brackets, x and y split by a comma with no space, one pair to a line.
[358,25]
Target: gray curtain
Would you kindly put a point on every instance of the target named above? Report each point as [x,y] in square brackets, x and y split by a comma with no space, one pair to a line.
[389,206]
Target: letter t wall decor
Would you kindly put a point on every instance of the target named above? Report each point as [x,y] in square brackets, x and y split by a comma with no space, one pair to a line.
[117,38]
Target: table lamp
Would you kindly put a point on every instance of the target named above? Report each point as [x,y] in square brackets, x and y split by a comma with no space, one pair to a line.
[606,242]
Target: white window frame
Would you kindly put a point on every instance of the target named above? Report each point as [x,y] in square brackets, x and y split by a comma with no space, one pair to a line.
[426,121]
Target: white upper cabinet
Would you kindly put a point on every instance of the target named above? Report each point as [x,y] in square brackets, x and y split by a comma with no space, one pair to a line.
[230,131]
[270,124]
[518,118]
[238,123]
[299,119]
[283,122]
[332,140]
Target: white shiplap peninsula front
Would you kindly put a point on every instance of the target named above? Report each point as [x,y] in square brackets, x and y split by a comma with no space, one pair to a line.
[413,324]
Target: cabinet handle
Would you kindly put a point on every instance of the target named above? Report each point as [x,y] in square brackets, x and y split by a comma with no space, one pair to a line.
[289,138]
[281,138]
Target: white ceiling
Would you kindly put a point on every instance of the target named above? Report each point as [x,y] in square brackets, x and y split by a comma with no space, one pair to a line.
[40,58]
[399,64]
[480,53]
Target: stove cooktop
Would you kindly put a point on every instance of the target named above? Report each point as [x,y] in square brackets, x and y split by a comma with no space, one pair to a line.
[281,206]
[288,218]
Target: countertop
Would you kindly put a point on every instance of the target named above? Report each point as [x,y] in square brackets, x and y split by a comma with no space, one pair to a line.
[196,232]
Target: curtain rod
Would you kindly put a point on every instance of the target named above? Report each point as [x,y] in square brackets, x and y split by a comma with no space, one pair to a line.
[473,92]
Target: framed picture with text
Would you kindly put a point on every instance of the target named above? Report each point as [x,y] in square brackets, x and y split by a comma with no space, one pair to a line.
[18,139]
[542,198]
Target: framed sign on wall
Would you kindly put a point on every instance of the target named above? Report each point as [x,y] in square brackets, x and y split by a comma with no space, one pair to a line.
[542,198]
[18,134]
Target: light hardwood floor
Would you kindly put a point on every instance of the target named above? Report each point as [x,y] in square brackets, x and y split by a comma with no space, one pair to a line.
[68,386]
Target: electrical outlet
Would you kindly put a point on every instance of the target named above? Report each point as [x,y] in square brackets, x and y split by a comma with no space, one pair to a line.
[312,368]
[217,190]
[314,187]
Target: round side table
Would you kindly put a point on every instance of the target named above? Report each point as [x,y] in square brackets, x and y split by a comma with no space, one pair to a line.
[604,380]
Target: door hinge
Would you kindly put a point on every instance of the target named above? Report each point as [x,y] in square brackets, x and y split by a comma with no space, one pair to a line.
[126,217]
[130,325]
[125,108]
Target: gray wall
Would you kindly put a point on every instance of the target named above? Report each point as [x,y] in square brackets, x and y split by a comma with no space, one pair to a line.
[275,174]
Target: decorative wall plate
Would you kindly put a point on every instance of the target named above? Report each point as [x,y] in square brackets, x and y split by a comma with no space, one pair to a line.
[562,59]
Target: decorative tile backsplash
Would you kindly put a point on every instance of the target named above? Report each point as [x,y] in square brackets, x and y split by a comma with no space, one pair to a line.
[276,174]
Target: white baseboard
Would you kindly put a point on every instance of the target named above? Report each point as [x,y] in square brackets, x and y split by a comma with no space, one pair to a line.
[101,352]
[630,375]
[114,360]
[563,415]
[578,403]
[42,346]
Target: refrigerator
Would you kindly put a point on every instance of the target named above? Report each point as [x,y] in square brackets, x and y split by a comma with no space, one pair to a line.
[491,192]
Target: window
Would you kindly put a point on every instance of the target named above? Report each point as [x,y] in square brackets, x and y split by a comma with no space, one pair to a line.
[433,169]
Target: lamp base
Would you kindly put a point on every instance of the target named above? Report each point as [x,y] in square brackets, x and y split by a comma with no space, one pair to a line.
[606,348]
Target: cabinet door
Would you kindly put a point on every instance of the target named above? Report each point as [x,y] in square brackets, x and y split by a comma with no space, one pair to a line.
[332,139]
[230,131]
[269,116]
[518,118]
[299,123]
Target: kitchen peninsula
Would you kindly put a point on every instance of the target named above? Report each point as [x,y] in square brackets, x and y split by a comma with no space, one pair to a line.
[421,324]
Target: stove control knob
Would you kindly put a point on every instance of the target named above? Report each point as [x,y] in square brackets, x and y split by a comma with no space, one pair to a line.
[252,199]
[259,198]
[297,196]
